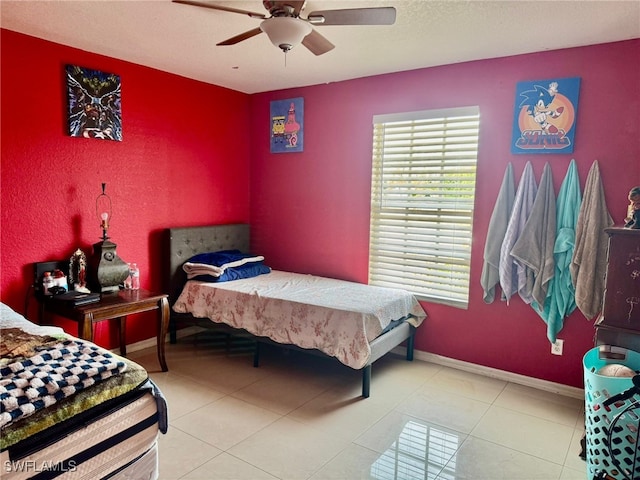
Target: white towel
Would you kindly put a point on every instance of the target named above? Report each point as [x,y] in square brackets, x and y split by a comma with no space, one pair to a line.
[495,235]
[534,247]
[589,262]
[196,269]
[513,274]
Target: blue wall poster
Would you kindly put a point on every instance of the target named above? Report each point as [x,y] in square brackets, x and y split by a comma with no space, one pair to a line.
[287,125]
[545,116]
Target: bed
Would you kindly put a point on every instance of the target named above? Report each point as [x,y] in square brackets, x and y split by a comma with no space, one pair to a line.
[354,323]
[73,410]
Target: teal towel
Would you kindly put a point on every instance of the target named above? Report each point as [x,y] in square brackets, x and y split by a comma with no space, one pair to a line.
[560,300]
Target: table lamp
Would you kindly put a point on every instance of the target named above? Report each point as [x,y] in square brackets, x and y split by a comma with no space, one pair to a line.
[110,270]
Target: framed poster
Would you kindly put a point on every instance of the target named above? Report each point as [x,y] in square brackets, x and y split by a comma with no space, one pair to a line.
[287,125]
[94,104]
[545,116]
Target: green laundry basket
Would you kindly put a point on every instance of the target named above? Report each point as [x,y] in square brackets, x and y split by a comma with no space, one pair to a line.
[612,428]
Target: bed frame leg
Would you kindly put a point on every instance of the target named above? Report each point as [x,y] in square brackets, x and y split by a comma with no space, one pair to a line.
[366,381]
[256,355]
[410,342]
[173,338]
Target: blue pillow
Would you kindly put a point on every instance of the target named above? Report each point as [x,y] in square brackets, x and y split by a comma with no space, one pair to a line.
[248,270]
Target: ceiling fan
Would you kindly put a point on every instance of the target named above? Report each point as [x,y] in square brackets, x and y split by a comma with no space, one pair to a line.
[286,28]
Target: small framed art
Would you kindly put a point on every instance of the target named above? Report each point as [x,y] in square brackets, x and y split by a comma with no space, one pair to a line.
[287,125]
[94,104]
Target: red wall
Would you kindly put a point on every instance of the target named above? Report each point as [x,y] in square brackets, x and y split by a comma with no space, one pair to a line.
[310,210]
[180,164]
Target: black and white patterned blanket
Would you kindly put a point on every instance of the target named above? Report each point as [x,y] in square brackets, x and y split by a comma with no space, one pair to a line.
[54,373]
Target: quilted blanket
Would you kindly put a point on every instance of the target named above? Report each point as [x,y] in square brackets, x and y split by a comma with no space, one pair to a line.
[54,373]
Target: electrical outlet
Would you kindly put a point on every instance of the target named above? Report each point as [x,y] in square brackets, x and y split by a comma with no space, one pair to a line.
[556,348]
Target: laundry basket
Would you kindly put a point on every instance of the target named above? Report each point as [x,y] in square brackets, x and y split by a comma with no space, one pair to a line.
[612,420]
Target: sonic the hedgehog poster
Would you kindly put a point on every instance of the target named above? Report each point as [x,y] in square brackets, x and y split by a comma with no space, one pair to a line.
[545,116]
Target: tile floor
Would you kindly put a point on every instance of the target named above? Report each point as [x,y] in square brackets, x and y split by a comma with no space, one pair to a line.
[301,417]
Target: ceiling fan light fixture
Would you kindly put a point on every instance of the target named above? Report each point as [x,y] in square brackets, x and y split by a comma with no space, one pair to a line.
[285,32]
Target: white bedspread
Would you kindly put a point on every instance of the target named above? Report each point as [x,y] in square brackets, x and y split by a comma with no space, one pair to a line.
[339,318]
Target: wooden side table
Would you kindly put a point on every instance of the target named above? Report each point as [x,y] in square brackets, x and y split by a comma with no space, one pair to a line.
[116,305]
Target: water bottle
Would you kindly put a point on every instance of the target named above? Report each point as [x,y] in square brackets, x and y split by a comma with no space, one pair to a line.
[47,283]
[135,276]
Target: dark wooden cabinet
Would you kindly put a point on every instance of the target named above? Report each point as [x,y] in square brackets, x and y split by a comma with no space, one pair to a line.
[619,323]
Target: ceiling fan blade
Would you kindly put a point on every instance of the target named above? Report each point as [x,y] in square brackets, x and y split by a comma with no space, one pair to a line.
[241,37]
[354,16]
[220,7]
[317,43]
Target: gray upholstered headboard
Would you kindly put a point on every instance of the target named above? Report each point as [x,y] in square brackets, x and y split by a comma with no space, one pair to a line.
[185,242]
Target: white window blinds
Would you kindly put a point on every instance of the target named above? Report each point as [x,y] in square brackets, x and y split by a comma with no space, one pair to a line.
[422,198]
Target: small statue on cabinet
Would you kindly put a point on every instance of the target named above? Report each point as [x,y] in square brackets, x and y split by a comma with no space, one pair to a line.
[633,210]
[78,271]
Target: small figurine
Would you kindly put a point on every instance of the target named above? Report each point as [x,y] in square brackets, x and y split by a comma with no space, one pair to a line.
[633,210]
[78,271]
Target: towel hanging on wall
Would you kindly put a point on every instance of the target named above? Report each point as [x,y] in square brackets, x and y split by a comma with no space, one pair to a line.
[495,235]
[513,274]
[560,301]
[534,247]
[589,261]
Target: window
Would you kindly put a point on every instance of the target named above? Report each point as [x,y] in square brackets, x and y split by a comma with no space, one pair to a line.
[422,196]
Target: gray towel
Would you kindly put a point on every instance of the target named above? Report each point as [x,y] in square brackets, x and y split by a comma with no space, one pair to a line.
[495,235]
[534,247]
[161,404]
[589,262]
[512,274]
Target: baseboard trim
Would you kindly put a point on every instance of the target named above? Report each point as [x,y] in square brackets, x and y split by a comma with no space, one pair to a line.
[490,372]
[151,342]
[544,385]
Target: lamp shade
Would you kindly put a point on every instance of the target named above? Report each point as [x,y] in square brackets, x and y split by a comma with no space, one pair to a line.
[285,32]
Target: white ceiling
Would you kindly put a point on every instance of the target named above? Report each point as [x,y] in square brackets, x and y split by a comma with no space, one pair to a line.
[181,39]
